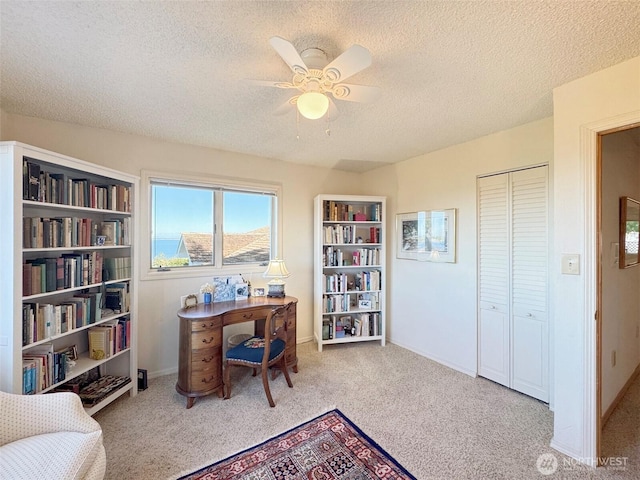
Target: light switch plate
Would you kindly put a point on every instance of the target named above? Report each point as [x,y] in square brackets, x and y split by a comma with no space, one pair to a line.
[571,264]
[615,254]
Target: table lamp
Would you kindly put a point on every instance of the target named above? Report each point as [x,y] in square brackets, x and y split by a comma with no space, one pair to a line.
[276,270]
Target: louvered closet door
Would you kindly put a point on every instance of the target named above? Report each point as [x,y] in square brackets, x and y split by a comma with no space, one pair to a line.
[529,324]
[493,253]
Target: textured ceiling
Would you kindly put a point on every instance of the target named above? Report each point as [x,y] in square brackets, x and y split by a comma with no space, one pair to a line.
[450,71]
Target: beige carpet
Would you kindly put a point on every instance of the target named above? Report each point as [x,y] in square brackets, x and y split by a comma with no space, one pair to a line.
[438,423]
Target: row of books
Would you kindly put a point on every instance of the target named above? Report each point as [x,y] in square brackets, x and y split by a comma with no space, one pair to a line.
[345,212]
[343,282]
[361,325]
[71,270]
[116,268]
[347,302]
[350,234]
[44,186]
[109,338]
[117,297]
[41,368]
[336,257]
[44,320]
[368,280]
[45,232]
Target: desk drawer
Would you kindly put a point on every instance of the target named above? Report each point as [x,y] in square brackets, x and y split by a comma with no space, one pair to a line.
[205,380]
[206,324]
[209,359]
[238,317]
[206,339]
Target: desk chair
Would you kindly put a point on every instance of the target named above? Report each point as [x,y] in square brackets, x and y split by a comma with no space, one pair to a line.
[262,352]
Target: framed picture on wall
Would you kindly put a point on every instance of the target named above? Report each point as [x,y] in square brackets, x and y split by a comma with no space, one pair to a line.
[629,231]
[428,235]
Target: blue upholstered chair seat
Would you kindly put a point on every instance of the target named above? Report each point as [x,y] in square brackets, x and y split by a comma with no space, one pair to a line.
[252,350]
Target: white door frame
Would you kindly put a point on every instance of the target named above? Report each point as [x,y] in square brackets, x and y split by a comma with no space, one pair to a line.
[589,156]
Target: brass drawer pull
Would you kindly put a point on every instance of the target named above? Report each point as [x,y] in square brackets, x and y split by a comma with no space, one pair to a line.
[204,325]
[207,341]
[204,380]
[247,315]
[207,360]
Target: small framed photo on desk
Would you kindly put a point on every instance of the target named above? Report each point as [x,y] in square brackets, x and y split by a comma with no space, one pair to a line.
[258,292]
[242,291]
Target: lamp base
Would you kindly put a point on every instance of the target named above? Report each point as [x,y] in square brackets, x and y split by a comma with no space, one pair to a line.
[276,290]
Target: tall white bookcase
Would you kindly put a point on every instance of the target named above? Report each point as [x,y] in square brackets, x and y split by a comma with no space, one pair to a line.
[55,211]
[349,269]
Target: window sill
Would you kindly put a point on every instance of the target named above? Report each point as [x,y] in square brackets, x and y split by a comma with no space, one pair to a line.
[194,272]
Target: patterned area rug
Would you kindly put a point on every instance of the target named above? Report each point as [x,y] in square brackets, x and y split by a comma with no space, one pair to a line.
[325,448]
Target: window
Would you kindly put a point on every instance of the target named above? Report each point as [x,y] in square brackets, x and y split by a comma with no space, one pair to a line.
[218,225]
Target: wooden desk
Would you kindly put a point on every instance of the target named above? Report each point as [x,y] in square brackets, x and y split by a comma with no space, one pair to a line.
[201,354]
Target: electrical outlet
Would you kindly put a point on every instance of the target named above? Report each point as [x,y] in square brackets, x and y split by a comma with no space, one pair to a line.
[613,358]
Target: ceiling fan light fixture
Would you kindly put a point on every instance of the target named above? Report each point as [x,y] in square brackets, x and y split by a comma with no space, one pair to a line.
[313,105]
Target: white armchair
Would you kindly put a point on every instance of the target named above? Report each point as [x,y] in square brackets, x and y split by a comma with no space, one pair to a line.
[49,436]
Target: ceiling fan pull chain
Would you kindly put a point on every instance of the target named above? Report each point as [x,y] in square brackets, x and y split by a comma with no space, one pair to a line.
[328,130]
[297,124]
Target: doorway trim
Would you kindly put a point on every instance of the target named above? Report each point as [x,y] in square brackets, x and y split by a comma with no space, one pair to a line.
[589,155]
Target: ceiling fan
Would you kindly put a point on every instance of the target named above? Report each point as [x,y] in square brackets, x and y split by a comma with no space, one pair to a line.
[318,81]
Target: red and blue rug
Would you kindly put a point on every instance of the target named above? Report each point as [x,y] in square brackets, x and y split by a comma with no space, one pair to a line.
[326,448]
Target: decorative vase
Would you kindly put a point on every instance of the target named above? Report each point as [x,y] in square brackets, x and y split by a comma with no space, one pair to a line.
[207,297]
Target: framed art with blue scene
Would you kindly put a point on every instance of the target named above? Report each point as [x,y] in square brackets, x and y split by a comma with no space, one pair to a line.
[427,235]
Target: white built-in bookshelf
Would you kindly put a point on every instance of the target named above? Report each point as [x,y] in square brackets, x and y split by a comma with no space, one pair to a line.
[68,275]
[349,269]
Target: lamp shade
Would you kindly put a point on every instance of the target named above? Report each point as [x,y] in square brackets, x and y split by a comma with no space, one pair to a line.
[276,269]
[313,105]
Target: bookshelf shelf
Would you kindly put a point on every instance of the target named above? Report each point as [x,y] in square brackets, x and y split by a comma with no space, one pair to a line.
[351,339]
[357,267]
[71,208]
[67,247]
[349,268]
[129,387]
[83,365]
[74,289]
[70,249]
[107,319]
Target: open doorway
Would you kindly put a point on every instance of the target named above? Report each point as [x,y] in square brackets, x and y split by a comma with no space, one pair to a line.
[618,288]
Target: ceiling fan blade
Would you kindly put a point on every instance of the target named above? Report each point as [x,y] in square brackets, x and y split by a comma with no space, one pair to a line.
[332,112]
[287,106]
[269,83]
[356,93]
[289,54]
[350,62]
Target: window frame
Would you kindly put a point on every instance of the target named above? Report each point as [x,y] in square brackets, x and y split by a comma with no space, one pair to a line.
[215,183]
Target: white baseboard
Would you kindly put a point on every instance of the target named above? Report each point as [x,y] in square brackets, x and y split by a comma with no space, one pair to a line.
[446,363]
[570,452]
[160,373]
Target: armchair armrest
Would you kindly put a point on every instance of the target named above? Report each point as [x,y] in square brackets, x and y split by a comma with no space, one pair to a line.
[28,415]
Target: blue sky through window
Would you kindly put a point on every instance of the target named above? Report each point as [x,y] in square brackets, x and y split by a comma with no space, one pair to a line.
[188,209]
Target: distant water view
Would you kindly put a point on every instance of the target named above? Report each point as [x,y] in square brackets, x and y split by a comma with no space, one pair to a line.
[168,246]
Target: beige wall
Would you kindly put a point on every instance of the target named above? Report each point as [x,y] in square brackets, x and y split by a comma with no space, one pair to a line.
[620,287]
[432,307]
[582,108]
[159,299]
